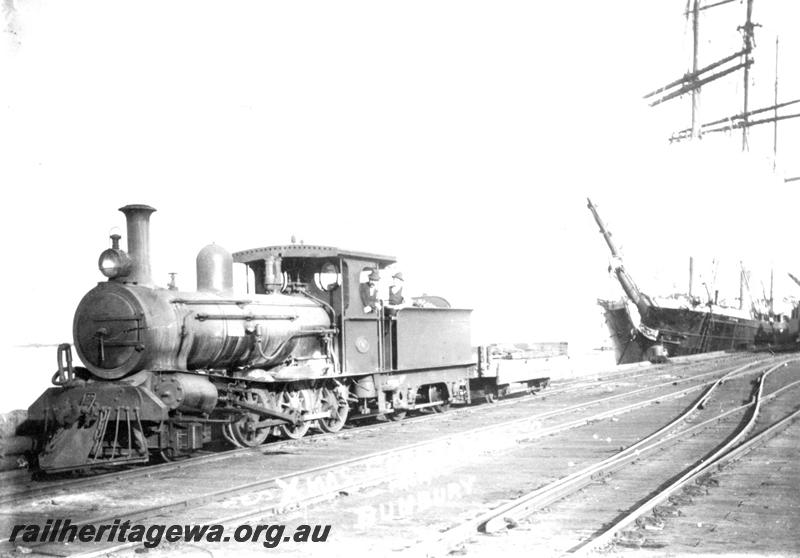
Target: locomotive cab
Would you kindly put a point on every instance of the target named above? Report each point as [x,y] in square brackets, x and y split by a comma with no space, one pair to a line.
[407,358]
[330,276]
[406,338]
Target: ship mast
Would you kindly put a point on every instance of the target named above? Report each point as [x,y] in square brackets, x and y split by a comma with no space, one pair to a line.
[771,292]
[691,82]
[747,35]
[741,286]
[775,112]
[695,91]
[641,300]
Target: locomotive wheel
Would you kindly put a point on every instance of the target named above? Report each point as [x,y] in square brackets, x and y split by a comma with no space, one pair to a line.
[397,415]
[338,408]
[166,455]
[244,432]
[435,395]
[294,401]
[227,433]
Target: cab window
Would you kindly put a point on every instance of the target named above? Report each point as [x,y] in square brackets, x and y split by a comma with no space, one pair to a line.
[328,277]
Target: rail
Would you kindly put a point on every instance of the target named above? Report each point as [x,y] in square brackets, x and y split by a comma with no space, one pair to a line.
[146,471]
[377,475]
[511,512]
[724,453]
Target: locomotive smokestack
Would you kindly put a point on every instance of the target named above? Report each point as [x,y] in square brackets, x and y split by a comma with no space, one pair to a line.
[138,219]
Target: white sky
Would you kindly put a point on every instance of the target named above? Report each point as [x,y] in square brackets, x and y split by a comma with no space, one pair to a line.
[461,136]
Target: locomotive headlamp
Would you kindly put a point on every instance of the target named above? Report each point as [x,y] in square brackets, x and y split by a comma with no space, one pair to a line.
[114,263]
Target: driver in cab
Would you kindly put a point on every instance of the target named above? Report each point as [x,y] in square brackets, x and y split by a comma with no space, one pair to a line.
[369,292]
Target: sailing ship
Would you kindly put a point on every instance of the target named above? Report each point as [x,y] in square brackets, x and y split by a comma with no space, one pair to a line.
[643,327]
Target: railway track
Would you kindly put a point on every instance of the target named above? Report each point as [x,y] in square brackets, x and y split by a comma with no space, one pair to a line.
[738,425]
[20,487]
[24,488]
[745,506]
[740,442]
[268,494]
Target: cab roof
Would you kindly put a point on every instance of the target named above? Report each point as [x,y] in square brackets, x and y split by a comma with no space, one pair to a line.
[308,251]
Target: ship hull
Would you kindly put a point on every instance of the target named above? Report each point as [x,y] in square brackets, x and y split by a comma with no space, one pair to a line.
[623,333]
[674,328]
[683,331]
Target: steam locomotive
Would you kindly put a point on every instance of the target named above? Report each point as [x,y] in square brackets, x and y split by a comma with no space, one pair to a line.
[166,372]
